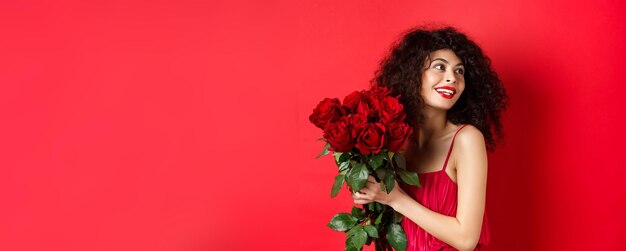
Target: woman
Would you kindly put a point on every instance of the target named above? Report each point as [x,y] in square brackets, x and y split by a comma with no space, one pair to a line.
[453,100]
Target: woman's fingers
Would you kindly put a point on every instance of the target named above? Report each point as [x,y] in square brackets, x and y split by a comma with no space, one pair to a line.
[361,198]
[372,188]
[365,195]
[358,195]
[365,190]
[362,202]
[372,193]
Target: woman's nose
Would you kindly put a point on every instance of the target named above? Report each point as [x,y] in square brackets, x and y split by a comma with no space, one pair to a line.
[450,78]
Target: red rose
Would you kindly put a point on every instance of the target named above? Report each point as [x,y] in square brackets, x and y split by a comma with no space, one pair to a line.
[397,133]
[391,110]
[357,122]
[371,139]
[373,103]
[379,91]
[362,102]
[354,102]
[327,111]
[338,135]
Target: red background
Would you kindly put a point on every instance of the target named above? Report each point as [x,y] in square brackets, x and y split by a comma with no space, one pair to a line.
[183,125]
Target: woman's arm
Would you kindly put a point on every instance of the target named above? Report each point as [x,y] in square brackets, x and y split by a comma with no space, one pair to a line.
[461,232]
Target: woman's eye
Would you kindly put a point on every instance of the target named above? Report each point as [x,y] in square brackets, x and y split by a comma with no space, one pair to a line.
[460,71]
[440,67]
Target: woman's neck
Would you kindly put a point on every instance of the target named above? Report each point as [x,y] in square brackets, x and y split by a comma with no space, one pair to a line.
[434,125]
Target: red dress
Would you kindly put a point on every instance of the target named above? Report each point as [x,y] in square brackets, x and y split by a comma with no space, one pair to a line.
[438,193]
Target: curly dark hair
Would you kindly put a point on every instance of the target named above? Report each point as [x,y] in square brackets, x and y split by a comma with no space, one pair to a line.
[483,99]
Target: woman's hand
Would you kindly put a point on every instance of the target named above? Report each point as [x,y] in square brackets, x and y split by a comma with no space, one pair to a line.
[372,193]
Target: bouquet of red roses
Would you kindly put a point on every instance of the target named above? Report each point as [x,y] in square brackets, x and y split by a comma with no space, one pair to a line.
[365,134]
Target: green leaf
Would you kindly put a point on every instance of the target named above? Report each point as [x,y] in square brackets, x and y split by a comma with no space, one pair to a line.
[353,163]
[371,231]
[379,219]
[397,217]
[348,180]
[339,179]
[369,241]
[343,166]
[342,222]
[358,177]
[400,161]
[380,173]
[341,157]
[345,157]
[353,230]
[389,181]
[358,238]
[410,178]
[390,155]
[337,155]
[345,172]
[376,161]
[349,246]
[371,206]
[358,213]
[379,207]
[396,237]
[324,151]
[321,139]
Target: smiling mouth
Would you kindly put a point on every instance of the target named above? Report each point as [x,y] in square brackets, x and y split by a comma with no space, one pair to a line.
[446,91]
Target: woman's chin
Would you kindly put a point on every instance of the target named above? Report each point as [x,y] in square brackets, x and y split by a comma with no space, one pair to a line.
[441,107]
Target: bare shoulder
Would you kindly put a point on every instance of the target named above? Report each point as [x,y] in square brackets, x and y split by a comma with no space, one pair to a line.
[470,137]
[470,158]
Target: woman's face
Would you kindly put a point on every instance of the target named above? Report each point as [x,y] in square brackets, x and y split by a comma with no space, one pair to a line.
[442,79]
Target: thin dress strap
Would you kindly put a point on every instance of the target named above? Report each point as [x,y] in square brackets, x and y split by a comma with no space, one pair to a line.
[445,164]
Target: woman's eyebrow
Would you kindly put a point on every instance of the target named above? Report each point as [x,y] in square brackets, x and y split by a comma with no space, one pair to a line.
[445,61]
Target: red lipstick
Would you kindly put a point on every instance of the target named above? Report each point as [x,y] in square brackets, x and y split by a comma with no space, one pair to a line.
[446,91]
